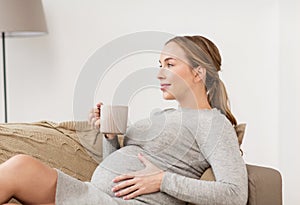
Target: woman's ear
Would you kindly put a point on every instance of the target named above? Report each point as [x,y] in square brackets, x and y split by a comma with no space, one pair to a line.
[200,74]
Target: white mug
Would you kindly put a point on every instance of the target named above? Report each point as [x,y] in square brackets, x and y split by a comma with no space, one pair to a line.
[113,119]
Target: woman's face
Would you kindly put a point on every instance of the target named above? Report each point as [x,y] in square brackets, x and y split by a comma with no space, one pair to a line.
[175,75]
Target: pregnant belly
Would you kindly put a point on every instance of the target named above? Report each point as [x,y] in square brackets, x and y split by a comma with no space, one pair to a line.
[122,161]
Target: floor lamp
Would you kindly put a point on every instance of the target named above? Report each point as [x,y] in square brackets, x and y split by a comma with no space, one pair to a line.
[19,18]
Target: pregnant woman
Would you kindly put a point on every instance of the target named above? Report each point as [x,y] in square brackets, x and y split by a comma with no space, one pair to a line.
[164,156]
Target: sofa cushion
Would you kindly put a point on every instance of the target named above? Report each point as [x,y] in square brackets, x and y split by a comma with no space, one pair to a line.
[240,132]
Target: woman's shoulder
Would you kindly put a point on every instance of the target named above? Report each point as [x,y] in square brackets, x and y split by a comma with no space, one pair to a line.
[159,111]
[220,127]
[206,122]
[201,115]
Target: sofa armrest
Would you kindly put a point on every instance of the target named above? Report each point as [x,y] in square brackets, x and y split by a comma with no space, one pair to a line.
[264,185]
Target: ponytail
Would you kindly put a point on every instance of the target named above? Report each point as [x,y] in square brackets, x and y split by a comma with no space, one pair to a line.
[218,98]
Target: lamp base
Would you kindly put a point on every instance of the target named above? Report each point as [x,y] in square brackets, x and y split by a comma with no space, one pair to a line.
[4,77]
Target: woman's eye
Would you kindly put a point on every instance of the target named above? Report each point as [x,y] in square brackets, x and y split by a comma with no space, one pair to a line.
[168,65]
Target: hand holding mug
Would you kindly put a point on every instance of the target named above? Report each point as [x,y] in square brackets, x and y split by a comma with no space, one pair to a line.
[114,122]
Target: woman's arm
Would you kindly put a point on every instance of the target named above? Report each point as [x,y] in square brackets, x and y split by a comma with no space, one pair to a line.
[109,145]
[222,152]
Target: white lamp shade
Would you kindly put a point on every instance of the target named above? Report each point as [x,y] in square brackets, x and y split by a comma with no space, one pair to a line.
[20,18]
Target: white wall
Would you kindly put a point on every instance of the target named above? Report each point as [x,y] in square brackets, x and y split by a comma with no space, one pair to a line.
[289,74]
[42,72]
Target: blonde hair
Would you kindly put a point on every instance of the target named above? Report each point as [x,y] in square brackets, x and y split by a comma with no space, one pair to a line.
[202,52]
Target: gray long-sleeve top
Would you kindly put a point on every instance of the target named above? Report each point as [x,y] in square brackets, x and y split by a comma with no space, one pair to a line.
[184,143]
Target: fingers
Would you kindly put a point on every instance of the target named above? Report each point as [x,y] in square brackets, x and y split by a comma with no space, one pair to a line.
[143,159]
[134,194]
[122,178]
[140,182]
[98,109]
[94,116]
[152,169]
[137,183]
[125,187]
[96,123]
[129,189]
[95,112]
[99,104]
[130,192]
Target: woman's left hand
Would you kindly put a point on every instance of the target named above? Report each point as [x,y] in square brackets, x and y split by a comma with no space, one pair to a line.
[137,183]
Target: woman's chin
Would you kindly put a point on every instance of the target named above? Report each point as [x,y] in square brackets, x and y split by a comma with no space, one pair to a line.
[167,96]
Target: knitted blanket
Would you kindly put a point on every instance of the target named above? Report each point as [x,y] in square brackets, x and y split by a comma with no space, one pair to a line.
[71,147]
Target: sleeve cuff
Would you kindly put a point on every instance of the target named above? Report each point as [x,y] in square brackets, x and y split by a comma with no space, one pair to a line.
[166,180]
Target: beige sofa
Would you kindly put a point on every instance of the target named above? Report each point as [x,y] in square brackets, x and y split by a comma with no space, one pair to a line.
[76,149]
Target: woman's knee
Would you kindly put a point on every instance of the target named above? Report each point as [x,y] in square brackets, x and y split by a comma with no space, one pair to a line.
[19,162]
[29,179]
[20,165]
[11,170]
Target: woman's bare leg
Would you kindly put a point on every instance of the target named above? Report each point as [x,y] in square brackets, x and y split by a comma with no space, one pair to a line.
[18,204]
[28,180]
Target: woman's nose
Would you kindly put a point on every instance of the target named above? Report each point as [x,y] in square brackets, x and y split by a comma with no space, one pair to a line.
[160,74]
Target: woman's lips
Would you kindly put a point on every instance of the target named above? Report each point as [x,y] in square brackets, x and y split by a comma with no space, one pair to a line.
[164,86]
